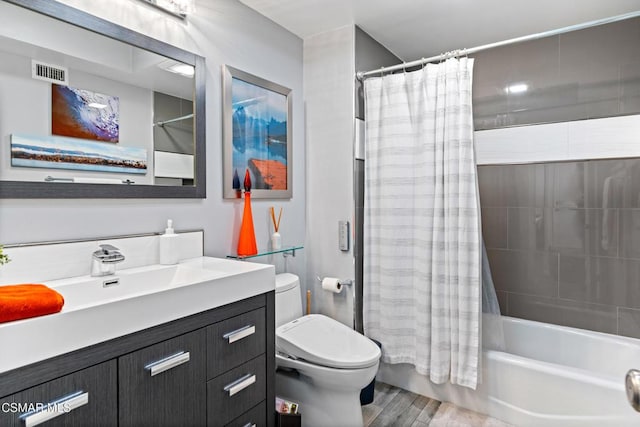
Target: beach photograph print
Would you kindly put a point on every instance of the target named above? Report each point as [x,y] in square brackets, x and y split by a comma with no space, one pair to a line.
[81,113]
[66,153]
[259,129]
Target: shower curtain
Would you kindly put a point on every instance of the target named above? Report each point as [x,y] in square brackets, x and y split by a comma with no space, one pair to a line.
[422,240]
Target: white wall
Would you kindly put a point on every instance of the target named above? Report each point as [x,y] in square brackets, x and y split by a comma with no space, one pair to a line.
[329,69]
[224,32]
[25,109]
[606,138]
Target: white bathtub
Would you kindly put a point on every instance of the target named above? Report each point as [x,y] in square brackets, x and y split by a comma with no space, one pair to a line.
[548,376]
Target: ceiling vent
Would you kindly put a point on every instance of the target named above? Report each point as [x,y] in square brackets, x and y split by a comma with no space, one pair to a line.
[49,73]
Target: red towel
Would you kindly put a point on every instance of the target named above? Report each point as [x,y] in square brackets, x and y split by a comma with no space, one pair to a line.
[24,301]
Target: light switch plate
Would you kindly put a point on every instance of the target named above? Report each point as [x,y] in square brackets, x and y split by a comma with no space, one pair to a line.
[343,235]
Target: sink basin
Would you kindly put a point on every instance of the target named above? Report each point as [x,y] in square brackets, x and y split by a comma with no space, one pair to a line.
[83,292]
[97,309]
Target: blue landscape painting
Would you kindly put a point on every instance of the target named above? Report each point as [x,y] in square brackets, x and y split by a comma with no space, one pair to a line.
[259,135]
[65,153]
[81,113]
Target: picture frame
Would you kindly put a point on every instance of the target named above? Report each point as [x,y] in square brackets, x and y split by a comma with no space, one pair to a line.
[257,136]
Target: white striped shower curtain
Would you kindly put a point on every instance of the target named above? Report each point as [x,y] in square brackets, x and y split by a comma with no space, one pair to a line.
[422,237]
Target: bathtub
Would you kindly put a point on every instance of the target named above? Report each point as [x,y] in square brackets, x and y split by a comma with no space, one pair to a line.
[548,375]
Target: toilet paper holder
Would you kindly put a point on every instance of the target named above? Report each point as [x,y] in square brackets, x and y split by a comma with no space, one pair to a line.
[341,282]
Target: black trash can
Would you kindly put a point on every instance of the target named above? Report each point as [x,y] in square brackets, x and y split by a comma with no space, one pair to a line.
[366,394]
[289,420]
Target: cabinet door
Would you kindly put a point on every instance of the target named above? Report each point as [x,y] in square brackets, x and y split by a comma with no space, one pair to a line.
[255,417]
[84,398]
[235,341]
[235,392]
[164,384]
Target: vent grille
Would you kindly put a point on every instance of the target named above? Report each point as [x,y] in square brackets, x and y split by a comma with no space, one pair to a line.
[49,73]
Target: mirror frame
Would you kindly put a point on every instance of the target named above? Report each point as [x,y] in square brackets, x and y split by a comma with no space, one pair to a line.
[54,190]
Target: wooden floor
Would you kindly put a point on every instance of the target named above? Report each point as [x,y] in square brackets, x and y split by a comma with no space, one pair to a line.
[400,408]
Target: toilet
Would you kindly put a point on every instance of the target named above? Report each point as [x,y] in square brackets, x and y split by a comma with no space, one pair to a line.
[322,364]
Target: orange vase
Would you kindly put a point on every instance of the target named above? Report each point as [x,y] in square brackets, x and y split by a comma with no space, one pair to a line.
[247,240]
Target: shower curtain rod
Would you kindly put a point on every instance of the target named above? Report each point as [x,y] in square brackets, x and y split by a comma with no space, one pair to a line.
[361,75]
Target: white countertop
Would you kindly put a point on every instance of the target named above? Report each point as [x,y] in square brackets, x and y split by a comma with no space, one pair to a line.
[145,297]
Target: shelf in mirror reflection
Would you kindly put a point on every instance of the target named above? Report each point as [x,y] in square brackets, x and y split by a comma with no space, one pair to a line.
[285,251]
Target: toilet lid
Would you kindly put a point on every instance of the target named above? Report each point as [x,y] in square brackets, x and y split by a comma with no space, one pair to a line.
[321,340]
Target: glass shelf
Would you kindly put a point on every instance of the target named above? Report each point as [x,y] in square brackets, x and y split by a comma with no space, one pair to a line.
[285,251]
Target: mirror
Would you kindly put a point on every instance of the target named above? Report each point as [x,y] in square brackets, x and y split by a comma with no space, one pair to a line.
[90,109]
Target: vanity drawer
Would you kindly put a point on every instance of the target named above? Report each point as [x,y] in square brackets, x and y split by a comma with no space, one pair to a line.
[164,384]
[235,392]
[256,416]
[84,398]
[232,342]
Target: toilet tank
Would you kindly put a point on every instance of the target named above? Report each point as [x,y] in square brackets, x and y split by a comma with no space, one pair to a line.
[288,298]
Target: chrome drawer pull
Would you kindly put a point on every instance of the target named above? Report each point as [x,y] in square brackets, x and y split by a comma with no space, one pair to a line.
[55,409]
[240,384]
[168,363]
[249,425]
[238,334]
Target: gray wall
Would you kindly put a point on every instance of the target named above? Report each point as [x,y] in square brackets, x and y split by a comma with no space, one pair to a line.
[583,74]
[563,241]
[224,32]
[369,55]
[562,237]
[175,137]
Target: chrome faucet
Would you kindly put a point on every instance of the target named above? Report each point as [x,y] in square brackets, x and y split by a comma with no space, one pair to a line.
[104,260]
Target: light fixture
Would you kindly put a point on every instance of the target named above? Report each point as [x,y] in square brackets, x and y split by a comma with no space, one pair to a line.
[177,67]
[517,88]
[182,69]
[97,105]
[179,8]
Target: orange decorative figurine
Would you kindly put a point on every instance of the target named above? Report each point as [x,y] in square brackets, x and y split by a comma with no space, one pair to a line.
[247,240]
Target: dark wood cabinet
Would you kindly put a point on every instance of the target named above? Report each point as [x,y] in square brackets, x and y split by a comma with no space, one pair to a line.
[84,398]
[255,416]
[164,384]
[213,368]
[235,392]
[234,341]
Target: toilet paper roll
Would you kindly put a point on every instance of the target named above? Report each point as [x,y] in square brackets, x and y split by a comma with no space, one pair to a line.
[331,284]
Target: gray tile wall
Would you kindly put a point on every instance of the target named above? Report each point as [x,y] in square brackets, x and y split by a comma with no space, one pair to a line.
[563,241]
[583,74]
[176,137]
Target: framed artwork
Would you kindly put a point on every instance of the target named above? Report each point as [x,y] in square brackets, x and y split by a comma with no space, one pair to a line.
[81,113]
[54,152]
[256,136]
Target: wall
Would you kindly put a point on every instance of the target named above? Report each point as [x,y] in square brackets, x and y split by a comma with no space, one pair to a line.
[175,137]
[561,232]
[561,236]
[369,55]
[224,32]
[586,74]
[329,87]
[334,177]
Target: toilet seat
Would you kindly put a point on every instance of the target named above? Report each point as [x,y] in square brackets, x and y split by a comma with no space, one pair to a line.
[321,340]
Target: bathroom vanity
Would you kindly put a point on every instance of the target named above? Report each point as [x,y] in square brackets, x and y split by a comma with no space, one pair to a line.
[213,368]
[184,345]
